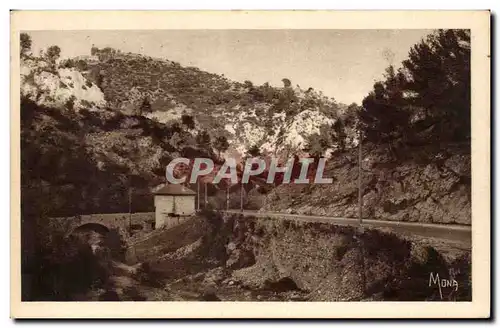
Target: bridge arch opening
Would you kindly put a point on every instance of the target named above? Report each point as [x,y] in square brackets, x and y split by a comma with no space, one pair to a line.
[91,227]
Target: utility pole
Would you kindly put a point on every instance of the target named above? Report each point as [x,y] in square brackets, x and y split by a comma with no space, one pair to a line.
[206,197]
[360,183]
[241,197]
[198,195]
[360,213]
[130,209]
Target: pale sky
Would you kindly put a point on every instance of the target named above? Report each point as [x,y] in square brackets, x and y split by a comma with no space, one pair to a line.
[342,63]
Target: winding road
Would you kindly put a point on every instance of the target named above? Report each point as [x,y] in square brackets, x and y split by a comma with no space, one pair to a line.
[451,232]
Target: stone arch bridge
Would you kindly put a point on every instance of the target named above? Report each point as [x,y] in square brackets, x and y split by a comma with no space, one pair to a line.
[123,223]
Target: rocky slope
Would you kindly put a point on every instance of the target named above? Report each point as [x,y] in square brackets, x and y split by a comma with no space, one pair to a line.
[273,119]
[423,187]
[333,263]
[122,117]
[249,259]
[50,85]
[78,156]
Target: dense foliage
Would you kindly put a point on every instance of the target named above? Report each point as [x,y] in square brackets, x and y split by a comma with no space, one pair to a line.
[427,100]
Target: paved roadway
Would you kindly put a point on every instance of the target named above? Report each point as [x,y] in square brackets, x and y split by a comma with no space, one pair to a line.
[452,232]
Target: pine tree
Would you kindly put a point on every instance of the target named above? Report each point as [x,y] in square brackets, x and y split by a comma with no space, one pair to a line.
[438,71]
[431,92]
[383,114]
[53,53]
[25,41]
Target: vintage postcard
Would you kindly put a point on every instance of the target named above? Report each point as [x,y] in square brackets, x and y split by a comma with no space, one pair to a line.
[238,164]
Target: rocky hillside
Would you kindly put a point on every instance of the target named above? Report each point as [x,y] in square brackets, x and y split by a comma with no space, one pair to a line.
[428,185]
[56,86]
[80,156]
[273,119]
[85,162]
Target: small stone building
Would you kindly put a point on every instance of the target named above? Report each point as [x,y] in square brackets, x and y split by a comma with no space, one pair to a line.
[172,202]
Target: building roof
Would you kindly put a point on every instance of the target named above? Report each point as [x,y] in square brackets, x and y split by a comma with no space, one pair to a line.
[174,189]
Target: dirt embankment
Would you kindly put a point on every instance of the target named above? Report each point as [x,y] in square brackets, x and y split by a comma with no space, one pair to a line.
[425,187]
[241,258]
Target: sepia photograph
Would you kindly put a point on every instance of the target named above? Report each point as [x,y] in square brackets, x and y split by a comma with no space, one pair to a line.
[321,165]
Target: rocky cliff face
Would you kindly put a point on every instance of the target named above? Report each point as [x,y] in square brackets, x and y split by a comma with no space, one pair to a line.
[249,259]
[53,86]
[432,188]
[338,263]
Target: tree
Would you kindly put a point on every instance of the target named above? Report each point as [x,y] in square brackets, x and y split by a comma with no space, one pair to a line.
[254,151]
[53,53]
[188,121]
[221,144]
[68,63]
[98,77]
[203,139]
[145,106]
[248,84]
[25,41]
[81,65]
[318,143]
[287,101]
[338,134]
[428,99]
[94,50]
[383,115]
[438,79]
